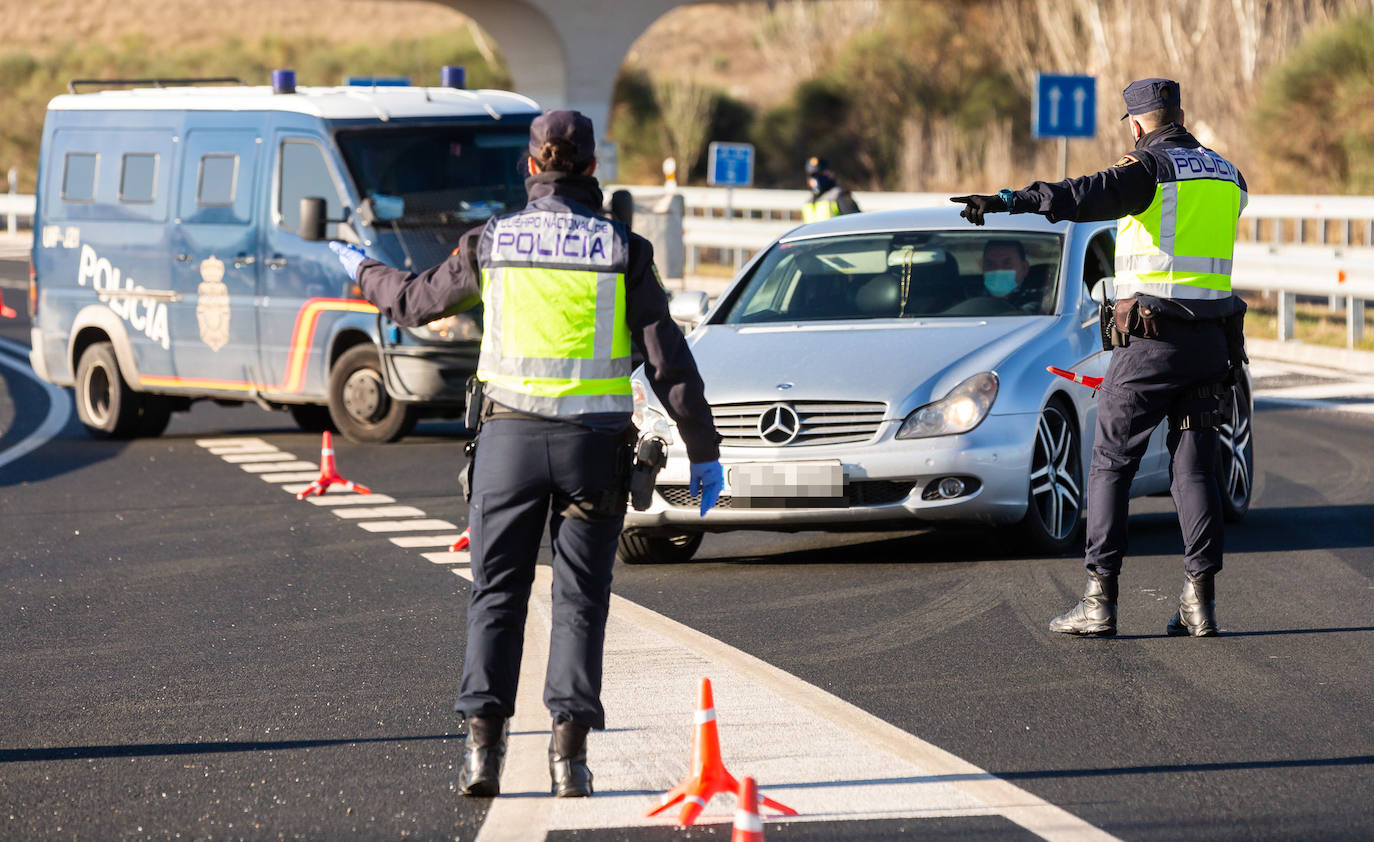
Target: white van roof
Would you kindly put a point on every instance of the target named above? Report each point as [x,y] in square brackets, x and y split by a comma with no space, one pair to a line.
[330,103]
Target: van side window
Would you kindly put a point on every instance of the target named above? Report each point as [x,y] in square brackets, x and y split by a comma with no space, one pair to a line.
[138,179]
[302,173]
[78,180]
[218,179]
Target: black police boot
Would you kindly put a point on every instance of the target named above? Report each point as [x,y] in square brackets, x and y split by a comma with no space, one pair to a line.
[1197,609]
[568,761]
[484,754]
[1095,613]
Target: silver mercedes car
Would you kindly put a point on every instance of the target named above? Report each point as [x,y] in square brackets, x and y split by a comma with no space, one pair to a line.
[889,370]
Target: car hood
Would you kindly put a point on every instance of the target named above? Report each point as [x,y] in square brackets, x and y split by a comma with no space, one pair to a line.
[903,363]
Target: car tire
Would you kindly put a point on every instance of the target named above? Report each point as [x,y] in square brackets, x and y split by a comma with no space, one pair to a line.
[1236,457]
[359,405]
[636,547]
[104,402]
[311,418]
[155,413]
[1053,524]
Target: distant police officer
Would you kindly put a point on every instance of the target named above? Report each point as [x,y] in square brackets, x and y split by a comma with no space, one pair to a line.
[1176,330]
[565,293]
[827,197]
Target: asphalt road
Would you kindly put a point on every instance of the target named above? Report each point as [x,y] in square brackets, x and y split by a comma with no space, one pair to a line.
[189,653]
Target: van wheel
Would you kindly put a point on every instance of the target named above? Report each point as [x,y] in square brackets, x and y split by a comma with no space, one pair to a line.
[312,418]
[358,403]
[104,402]
[638,547]
[154,416]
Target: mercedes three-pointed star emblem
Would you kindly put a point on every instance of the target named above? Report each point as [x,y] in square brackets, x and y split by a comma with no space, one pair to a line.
[779,424]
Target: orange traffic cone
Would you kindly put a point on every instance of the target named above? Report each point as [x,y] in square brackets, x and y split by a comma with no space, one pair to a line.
[708,774]
[6,312]
[329,474]
[464,541]
[748,823]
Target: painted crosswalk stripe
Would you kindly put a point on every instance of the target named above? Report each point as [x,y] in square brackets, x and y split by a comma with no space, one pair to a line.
[299,476]
[411,542]
[447,557]
[380,511]
[418,525]
[348,498]
[264,467]
[278,456]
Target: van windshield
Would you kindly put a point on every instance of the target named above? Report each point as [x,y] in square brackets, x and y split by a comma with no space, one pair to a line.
[904,274]
[436,175]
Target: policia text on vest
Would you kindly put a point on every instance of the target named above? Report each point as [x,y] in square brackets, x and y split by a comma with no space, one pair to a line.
[1177,333]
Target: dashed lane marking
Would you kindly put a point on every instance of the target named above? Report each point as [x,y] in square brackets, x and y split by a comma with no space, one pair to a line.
[825,757]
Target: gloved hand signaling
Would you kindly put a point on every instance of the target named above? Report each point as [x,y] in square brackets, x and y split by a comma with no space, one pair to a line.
[976,205]
[709,479]
[350,256]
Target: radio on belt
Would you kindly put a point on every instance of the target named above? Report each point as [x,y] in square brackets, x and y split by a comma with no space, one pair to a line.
[651,454]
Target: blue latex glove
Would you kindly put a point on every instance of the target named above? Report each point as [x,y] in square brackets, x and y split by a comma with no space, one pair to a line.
[350,256]
[709,479]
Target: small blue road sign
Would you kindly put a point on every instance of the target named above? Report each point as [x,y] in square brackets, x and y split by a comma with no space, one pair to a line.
[730,165]
[1064,106]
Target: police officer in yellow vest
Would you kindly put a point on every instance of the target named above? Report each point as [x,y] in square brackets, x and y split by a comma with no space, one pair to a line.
[565,293]
[827,197]
[1176,333]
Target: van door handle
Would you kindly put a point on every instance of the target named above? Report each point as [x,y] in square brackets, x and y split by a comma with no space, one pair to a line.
[276,262]
[183,258]
[242,260]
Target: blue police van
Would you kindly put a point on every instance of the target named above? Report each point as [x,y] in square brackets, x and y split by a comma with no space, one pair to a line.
[180,246]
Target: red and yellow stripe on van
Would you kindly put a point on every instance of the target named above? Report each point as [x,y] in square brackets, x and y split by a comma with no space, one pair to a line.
[302,341]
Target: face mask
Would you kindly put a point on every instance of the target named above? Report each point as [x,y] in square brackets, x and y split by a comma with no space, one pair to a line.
[999,282]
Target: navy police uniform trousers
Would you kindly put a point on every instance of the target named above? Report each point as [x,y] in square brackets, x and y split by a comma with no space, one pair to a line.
[1143,381]
[527,471]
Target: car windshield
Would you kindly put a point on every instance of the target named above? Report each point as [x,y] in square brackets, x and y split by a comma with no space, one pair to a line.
[904,274]
[423,176]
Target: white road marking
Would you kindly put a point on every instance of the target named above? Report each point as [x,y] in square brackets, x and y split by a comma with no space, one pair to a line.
[346,498]
[380,511]
[1339,391]
[825,757]
[416,541]
[59,406]
[407,525]
[264,467]
[237,458]
[299,476]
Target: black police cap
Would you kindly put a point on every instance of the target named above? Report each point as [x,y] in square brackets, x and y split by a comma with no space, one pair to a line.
[572,126]
[816,165]
[1146,95]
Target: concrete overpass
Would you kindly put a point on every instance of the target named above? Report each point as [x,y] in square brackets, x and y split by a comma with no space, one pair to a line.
[566,53]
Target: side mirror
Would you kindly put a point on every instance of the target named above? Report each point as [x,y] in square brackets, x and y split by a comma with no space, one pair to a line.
[1104,290]
[689,307]
[313,219]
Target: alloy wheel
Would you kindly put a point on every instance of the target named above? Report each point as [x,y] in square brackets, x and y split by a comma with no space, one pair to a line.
[1056,477]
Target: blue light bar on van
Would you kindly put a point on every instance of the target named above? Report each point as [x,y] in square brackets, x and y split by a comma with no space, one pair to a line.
[283,81]
[453,76]
[377,81]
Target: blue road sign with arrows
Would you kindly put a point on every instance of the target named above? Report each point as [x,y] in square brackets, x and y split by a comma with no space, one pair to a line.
[1064,106]
[730,164]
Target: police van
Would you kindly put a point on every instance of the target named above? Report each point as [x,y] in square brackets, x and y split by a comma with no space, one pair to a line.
[180,246]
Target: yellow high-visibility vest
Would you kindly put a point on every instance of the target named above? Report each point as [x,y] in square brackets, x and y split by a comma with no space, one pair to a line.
[820,209]
[1182,245]
[555,340]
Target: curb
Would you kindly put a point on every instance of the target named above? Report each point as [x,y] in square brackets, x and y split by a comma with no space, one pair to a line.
[1340,359]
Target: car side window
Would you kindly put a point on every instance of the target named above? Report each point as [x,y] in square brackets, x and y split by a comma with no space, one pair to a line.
[302,172]
[1100,259]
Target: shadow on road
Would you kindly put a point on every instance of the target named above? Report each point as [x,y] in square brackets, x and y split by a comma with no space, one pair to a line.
[24,755]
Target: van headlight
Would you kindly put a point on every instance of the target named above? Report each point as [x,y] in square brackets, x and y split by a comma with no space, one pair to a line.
[646,418]
[457,328]
[961,410]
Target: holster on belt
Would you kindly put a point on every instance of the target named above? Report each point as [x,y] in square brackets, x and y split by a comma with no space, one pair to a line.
[1130,319]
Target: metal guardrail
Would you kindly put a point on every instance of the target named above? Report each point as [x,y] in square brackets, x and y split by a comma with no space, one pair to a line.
[15,205]
[1292,245]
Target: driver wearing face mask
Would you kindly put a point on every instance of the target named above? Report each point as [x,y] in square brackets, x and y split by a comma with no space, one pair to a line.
[1007,275]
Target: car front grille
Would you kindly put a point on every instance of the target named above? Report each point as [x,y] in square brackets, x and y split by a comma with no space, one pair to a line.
[861,493]
[821,422]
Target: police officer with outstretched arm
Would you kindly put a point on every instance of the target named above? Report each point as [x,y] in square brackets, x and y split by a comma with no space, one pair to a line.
[828,198]
[1176,331]
[565,293]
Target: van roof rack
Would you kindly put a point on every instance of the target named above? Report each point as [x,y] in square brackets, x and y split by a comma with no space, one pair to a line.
[157,83]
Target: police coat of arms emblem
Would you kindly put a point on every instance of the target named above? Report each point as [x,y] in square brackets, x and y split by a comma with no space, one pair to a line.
[212,304]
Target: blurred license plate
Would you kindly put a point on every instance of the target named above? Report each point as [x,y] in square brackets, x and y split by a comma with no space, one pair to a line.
[784,485]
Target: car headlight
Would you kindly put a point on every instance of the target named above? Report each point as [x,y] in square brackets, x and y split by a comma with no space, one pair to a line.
[648,419]
[961,410]
[456,328]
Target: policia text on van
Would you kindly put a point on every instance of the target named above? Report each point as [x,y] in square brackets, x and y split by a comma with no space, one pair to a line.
[179,247]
